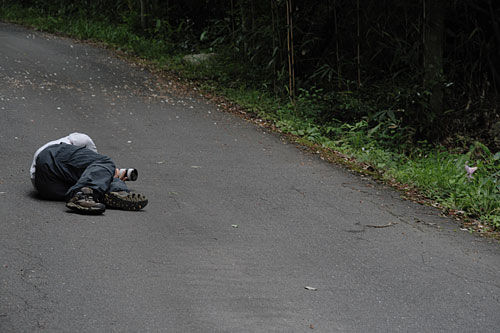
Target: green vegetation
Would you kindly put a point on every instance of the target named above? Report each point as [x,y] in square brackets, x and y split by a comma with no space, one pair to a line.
[388,123]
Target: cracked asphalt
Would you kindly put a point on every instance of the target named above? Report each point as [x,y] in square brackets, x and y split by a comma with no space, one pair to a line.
[243,232]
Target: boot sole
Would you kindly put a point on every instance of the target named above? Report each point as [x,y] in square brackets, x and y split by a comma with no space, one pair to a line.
[131,202]
[84,210]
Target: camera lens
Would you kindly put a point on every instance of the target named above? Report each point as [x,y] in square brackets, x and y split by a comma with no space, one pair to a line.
[132,174]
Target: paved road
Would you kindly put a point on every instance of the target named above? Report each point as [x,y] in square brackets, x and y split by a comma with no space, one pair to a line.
[238,223]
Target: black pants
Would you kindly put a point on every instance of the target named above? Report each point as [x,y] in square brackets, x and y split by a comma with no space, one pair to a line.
[62,170]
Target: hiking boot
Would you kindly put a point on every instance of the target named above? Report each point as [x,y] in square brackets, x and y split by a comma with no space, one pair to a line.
[125,200]
[83,202]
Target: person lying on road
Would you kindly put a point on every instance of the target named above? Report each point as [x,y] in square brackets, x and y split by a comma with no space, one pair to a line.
[70,169]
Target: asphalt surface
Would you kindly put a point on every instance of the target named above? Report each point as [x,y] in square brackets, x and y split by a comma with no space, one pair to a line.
[238,224]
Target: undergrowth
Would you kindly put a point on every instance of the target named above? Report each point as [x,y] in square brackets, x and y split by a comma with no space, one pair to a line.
[377,140]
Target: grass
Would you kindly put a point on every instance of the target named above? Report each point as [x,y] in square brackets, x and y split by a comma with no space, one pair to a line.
[437,173]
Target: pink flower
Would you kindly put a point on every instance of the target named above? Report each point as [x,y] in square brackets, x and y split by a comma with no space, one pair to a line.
[470,171]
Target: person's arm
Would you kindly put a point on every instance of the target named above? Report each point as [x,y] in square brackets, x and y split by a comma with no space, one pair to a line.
[80,139]
[39,150]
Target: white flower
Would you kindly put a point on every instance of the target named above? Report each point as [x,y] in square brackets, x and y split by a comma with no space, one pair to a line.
[470,171]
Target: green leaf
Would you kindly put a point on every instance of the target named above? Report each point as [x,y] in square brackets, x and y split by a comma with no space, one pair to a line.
[203,35]
[391,115]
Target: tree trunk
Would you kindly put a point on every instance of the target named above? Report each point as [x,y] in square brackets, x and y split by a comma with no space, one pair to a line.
[433,52]
[244,26]
[143,14]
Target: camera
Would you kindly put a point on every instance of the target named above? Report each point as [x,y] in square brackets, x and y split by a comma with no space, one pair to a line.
[131,174]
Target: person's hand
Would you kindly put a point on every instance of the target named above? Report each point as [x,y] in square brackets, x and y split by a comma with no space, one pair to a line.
[117,175]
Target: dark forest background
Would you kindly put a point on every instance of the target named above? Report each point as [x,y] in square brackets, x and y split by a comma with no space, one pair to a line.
[429,68]
[403,90]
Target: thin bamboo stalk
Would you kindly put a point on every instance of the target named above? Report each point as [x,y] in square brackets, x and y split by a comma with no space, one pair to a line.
[424,23]
[358,42]
[232,21]
[291,64]
[274,46]
[337,47]
[293,51]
